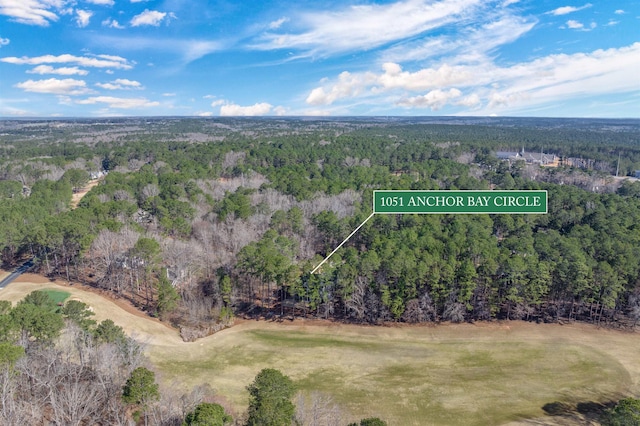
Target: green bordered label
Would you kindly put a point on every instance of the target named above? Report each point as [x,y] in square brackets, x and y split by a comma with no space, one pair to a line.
[460,202]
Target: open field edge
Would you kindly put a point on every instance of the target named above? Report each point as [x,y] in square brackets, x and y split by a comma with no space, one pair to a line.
[306,350]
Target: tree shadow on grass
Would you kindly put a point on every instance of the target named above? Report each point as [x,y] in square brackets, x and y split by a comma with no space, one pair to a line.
[586,412]
[558,408]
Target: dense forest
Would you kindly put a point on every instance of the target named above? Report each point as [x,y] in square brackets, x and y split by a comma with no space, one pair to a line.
[199,220]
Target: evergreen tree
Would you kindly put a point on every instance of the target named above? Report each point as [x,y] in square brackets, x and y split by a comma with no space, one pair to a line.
[141,389]
[270,399]
[79,313]
[108,332]
[625,413]
[168,297]
[208,414]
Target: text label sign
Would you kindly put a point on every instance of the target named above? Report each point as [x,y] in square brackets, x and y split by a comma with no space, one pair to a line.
[460,202]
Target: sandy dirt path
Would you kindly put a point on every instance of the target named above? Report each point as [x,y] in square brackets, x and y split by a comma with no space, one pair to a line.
[77,196]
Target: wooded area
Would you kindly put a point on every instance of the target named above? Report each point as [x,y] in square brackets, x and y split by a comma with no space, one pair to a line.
[197,220]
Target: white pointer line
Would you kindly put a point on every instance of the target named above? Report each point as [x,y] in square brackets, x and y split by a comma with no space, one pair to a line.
[345,240]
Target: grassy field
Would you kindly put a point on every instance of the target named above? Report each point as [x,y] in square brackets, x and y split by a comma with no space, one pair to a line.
[57,296]
[482,374]
[410,376]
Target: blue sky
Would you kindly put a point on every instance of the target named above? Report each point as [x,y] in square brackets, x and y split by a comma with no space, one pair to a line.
[93,58]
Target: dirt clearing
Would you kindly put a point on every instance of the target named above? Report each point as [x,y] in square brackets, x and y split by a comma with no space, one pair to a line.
[77,196]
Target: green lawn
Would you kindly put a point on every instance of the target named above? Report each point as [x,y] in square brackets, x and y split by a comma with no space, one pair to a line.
[58,296]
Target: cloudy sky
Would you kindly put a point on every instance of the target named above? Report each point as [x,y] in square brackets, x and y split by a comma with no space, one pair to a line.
[555,58]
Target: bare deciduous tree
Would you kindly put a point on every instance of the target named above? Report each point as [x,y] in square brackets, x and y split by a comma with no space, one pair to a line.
[174,405]
[356,303]
[151,190]
[454,311]
[108,256]
[274,199]
[9,408]
[421,309]
[232,159]
[342,205]
[184,261]
[122,195]
[77,382]
[317,409]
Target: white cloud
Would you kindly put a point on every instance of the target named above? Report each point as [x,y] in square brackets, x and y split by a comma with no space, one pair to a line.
[218,103]
[497,31]
[565,10]
[280,110]
[262,108]
[577,25]
[32,12]
[348,86]
[148,17]
[189,50]
[119,103]
[120,84]
[83,17]
[67,10]
[7,110]
[435,99]
[48,69]
[552,78]
[99,61]
[139,1]
[612,22]
[102,2]
[620,12]
[205,114]
[195,49]
[111,23]
[4,41]
[445,75]
[274,25]
[68,86]
[111,57]
[470,101]
[503,100]
[351,85]
[560,77]
[367,26]
[574,25]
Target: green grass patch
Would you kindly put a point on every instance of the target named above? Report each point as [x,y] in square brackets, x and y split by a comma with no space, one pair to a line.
[310,341]
[57,296]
